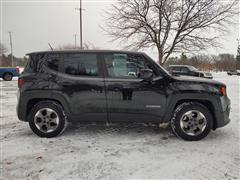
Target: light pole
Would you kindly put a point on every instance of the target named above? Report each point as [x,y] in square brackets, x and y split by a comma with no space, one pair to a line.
[10,37]
[80,19]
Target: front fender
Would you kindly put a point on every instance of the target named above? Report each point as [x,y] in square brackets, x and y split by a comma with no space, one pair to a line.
[174,99]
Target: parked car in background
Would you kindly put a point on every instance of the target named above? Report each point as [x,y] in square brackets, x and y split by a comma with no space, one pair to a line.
[107,86]
[7,73]
[187,71]
[233,72]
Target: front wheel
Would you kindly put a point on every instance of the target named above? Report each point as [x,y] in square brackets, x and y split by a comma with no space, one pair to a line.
[47,119]
[191,121]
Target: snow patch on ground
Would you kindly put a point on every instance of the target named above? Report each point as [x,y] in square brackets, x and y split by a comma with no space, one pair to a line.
[118,151]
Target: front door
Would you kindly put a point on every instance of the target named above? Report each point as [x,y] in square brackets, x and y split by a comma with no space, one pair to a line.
[129,98]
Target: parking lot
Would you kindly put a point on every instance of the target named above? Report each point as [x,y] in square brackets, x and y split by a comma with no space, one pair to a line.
[117,151]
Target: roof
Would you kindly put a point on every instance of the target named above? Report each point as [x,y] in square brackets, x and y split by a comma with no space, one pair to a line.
[80,51]
[178,66]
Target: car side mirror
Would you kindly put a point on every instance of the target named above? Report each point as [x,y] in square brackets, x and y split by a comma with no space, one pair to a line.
[146,74]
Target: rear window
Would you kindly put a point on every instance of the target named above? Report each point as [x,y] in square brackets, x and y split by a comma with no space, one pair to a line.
[31,64]
[35,63]
[80,64]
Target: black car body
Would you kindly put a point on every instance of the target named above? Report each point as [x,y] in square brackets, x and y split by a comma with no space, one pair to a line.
[113,86]
[187,71]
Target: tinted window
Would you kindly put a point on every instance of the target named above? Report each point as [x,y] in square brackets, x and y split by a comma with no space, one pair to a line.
[35,63]
[29,66]
[80,64]
[184,69]
[125,65]
[53,61]
[176,68]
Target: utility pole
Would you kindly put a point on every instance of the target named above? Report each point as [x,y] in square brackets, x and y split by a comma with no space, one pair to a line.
[80,20]
[75,40]
[10,37]
[238,55]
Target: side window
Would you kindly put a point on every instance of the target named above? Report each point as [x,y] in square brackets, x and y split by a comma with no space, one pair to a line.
[53,62]
[82,64]
[176,69]
[184,69]
[29,65]
[125,65]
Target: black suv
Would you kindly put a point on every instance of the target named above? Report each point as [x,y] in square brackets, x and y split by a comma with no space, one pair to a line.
[188,71]
[116,87]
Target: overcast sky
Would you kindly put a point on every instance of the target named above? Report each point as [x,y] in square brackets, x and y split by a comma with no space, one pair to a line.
[36,23]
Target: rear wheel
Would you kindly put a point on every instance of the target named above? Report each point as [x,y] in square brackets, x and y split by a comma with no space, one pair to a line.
[191,121]
[47,119]
[7,77]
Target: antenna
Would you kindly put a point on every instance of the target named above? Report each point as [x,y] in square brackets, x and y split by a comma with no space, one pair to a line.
[50,46]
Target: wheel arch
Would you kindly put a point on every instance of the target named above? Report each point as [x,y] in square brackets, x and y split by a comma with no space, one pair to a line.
[32,102]
[206,102]
[28,99]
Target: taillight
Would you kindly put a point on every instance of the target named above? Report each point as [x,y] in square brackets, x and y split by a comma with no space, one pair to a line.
[223,91]
[20,82]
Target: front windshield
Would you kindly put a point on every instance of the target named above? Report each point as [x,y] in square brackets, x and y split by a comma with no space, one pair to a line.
[193,68]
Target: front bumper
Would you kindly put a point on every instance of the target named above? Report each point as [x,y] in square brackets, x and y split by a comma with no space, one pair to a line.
[222,115]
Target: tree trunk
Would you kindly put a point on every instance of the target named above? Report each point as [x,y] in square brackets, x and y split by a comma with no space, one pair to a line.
[160,57]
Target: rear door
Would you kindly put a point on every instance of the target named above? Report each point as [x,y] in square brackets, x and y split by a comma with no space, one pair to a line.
[80,81]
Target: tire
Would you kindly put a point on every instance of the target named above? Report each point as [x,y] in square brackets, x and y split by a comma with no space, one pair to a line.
[191,121]
[7,77]
[47,119]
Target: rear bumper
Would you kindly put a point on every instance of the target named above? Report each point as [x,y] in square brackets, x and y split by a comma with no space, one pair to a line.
[20,108]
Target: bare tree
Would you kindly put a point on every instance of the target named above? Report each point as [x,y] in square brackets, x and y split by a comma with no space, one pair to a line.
[3,49]
[170,25]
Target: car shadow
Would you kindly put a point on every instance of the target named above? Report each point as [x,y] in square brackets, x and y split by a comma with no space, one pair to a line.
[117,130]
